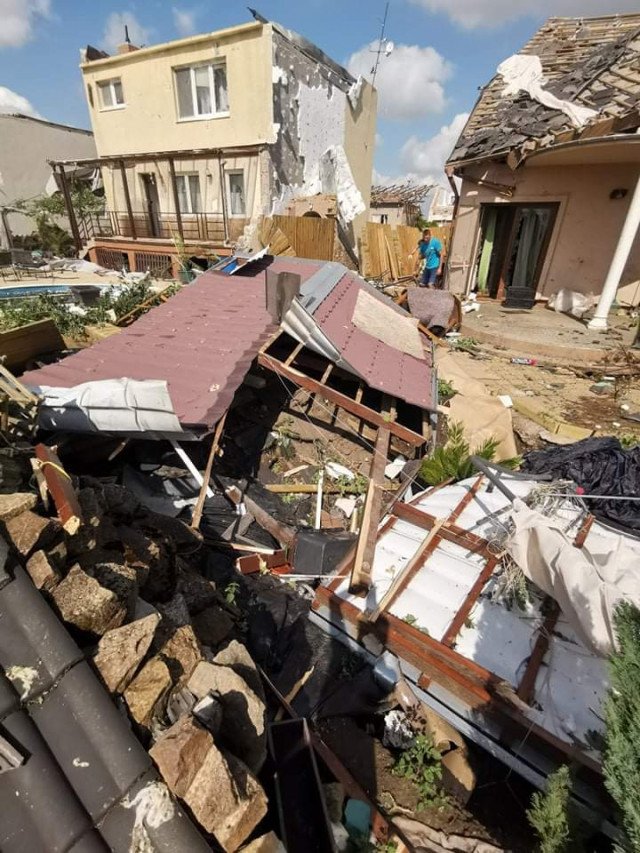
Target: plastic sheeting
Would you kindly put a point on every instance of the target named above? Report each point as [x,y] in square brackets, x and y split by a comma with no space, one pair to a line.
[523,73]
[601,466]
[586,583]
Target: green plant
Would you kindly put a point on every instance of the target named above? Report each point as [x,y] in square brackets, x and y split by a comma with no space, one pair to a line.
[422,765]
[231,591]
[548,814]
[410,619]
[622,717]
[453,462]
[628,441]
[445,390]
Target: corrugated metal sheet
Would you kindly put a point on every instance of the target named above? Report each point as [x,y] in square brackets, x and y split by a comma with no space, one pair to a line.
[201,342]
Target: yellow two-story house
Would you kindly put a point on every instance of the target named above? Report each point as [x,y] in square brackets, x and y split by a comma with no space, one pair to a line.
[200,137]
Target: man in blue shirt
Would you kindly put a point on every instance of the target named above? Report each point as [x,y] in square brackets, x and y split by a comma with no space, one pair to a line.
[430,251]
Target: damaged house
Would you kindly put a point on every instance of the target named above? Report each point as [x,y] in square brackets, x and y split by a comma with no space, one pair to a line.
[549,164]
[250,118]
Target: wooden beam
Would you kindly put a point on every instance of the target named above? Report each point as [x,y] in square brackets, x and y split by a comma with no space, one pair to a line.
[527,686]
[340,399]
[71,214]
[326,373]
[215,446]
[367,538]
[467,605]
[411,568]
[282,533]
[292,355]
[450,532]
[127,200]
[176,197]
[60,488]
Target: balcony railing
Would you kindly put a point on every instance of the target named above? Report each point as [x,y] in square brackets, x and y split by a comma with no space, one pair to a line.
[204,227]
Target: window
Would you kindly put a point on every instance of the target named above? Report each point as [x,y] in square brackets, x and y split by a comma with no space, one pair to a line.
[201,91]
[235,184]
[189,193]
[111,94]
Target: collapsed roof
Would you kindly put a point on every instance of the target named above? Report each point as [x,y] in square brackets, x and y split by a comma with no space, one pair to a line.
[178,367]
[590,62]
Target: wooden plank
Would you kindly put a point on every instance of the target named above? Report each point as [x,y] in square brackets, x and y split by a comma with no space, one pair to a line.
[21,345]
[215,445]
[527,686]
[14,388]
[467,605]
[326,373]
[292,356]
[401,581]
[451,532]
[367,537]
[340,399]
[60,488]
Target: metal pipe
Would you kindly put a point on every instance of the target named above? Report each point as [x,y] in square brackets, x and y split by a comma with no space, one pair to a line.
[197,476]
[490,474]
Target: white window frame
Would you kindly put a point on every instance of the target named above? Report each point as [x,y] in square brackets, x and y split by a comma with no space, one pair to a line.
[228,173]
[194,100]
[110,84]
[184,176]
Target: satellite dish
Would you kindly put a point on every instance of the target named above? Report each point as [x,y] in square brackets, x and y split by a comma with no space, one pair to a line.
[388,48]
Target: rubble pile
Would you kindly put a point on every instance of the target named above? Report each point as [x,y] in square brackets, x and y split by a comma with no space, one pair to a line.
[161,638]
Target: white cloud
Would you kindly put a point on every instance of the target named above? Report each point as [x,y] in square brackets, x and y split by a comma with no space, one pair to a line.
[427,157]
[18,19]
[114,31]
[184,21]
[471,14]
[409,81]
[11,102]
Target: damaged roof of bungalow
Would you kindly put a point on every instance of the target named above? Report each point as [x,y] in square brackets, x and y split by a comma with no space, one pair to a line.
[590,62]
[203,340]
[442,603]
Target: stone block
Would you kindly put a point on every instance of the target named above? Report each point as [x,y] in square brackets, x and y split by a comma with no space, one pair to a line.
[212,626]
[121,651]
[42,573]
[269,843]
[147,689]
[84,603]
[15,504]
[181,653]
[236,656]
[243,721]
[30,532]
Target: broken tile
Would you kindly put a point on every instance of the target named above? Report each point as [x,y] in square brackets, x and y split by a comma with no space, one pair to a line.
[84,603]
[42,573]
[121,651]
[15,504]
[243,722]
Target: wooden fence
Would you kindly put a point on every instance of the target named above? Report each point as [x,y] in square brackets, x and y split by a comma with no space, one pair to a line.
[308,236]
[389,253]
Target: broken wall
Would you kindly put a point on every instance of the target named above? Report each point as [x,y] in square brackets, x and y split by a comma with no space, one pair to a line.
[586,229]
[312,113]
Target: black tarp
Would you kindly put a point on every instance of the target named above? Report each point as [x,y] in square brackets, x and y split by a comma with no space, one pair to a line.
[601,466]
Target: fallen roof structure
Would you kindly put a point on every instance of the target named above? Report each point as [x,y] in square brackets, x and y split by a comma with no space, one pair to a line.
[521,681]
[175,371]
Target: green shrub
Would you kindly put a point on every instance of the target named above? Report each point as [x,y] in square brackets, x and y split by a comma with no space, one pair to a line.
[622,716]
[548,814]
[422,765]
[453,462]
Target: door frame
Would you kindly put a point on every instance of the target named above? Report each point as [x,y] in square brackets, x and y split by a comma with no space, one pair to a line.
[149,179]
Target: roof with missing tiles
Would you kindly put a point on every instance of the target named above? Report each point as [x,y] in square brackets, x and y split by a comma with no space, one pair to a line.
[593,62]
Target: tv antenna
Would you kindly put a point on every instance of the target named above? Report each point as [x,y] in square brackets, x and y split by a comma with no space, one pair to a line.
[384,46]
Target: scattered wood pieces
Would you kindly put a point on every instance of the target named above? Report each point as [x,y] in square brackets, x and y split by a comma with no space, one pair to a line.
[60,488]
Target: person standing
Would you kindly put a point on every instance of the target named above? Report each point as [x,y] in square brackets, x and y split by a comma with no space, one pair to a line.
[430,252]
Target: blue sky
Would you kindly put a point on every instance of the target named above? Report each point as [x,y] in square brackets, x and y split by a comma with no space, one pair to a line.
[443,50]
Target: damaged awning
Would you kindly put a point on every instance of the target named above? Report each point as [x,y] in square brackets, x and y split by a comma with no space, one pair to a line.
[479,641]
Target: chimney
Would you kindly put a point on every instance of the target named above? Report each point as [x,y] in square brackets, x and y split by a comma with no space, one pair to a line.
[127,47]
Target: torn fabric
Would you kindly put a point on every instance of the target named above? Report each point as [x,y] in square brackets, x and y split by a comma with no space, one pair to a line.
[586,583]
[523,73]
